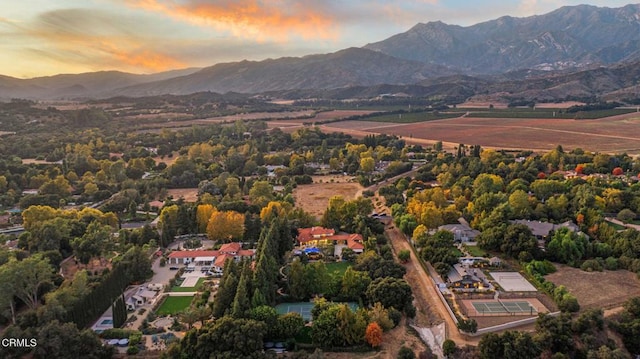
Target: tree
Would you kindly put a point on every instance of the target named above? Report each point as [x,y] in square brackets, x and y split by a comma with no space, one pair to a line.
[28,276]
[373,334]
[380,315]
[468,325]
[367,164]
[261,193]
[626,215]
[404,255]
[188,317]
[390,292]
[168,224]
[92,243]
[64,340]
[449,347]
[224,338]
[406,353]
[7,293]
[289,325]
[354,284]
[225,225]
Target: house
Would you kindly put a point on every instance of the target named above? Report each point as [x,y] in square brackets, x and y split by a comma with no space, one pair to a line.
[462,232]
[541,230]
[462,278]
[210,257]
[316,236]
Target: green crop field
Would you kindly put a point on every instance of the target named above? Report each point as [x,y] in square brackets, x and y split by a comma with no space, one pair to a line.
[411,117]
[545,113]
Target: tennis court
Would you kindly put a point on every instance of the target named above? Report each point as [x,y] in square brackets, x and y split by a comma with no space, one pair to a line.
[304,308]
[503,307]
[506,307]
[512,282]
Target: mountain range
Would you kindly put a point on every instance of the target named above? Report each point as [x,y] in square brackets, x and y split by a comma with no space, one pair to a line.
[573,51]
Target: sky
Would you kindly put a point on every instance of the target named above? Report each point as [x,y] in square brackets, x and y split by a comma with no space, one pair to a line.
[47,37]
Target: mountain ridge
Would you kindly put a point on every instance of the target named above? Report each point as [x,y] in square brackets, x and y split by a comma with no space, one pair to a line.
[571,39]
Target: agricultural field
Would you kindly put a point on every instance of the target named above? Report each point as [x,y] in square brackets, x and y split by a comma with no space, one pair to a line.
[314,198]
[612,134]
[606,289]
[412,117]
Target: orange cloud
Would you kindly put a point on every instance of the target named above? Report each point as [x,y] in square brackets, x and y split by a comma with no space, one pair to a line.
[90,40]
[277,20]
[142,58]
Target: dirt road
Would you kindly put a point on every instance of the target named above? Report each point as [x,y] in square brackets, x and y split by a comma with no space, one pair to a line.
[431,310]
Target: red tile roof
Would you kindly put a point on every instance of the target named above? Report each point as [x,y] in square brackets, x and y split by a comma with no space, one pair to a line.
[307,234]
[193,254]
[232,247]
[221,260]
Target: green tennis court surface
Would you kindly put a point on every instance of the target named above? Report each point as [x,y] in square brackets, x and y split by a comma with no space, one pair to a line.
[304,308]
[503,307]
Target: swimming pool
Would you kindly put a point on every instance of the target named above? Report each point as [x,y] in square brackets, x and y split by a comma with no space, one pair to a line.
[106,322]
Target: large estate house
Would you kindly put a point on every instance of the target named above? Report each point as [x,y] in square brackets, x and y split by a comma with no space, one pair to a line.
[214,258]
[317,236]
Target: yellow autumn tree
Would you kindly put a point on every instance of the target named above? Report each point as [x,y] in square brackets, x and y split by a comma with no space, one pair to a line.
[225,225]
[203,213]
[273,209]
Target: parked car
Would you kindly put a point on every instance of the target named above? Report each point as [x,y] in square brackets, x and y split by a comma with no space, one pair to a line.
[173,268]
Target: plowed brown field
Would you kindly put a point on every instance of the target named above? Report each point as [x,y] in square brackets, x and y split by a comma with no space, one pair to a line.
[612,134]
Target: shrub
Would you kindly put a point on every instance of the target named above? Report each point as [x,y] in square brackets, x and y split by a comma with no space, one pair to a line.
[591,265]
[449,347]
[404,255]
[626,215]
[395,316]
[117,333]
[406,353]
[133,350]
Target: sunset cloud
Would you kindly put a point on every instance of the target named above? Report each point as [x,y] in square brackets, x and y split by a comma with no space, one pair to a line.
[92,39]
[279,20]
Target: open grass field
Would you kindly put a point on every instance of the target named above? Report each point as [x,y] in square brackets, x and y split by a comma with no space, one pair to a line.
[612,134]
[338,267]
[606,289]
[173,305]
[475,251]
[314,198]
[189,194]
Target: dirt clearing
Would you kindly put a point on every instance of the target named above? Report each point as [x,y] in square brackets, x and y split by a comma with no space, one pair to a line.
[605,290]
[188,194]
[314,198]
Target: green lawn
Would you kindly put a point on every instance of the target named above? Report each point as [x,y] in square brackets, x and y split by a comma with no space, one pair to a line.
[339,267]
[456,252]
[616,226]
[197,288]
[173,305]
[475,251]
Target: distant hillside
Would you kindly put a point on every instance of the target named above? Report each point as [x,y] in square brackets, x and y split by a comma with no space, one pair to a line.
[570,37]
[350,67]
[578,51]
[85,85]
